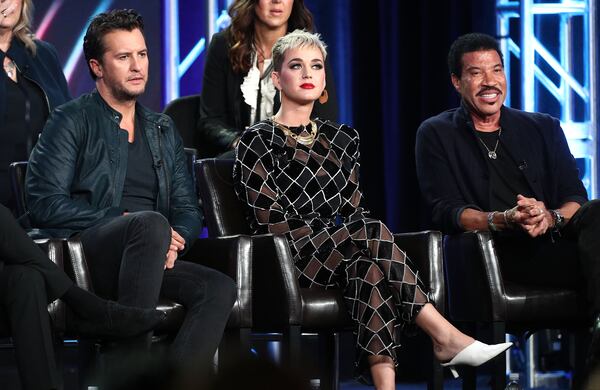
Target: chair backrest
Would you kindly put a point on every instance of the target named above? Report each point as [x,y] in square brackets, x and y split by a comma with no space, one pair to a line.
[224,213]
[17,172]
[184,111]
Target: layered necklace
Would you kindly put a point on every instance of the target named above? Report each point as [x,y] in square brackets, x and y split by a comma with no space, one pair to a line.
[492,153]
[303,139]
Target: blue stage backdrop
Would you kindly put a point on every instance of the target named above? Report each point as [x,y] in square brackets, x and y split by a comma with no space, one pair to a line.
[63,23]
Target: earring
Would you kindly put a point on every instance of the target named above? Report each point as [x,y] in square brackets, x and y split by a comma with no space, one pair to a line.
[324,97]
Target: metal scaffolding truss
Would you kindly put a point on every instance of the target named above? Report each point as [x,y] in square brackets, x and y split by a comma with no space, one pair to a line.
[550,63]
[175,67]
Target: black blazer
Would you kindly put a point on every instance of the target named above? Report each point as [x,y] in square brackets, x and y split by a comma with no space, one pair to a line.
[453,174]
[223,112]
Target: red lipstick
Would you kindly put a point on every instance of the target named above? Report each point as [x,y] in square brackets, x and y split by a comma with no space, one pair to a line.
[307,86]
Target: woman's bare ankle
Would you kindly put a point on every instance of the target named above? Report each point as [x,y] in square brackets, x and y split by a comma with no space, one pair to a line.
[383,372]
[445,351]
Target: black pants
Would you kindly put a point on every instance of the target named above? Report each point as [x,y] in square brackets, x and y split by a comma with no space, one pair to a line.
[569,260]
[126,258]
[28,282]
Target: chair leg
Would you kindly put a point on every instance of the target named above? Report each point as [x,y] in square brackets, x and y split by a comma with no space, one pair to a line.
[234,344]
[498,364]
[88,362]
[469,374]
[329,368]
[579,341]
[436,381]
[292,346]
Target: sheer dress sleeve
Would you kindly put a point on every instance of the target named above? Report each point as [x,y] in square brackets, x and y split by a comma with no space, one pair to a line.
[350,209]
[254,175]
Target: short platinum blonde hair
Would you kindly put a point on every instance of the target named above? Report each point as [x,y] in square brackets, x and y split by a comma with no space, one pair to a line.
[294,40]
[22,29]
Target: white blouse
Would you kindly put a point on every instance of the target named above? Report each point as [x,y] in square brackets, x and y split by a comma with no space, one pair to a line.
[250,87]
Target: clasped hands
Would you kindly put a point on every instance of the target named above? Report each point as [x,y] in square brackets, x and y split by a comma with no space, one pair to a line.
[531,215]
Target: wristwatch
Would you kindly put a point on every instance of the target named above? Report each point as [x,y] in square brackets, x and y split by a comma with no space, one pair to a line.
[559,219]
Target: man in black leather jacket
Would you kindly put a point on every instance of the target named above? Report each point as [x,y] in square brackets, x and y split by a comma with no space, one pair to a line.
[113,172]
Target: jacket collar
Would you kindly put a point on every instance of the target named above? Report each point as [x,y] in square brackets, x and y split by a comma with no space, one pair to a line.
[141,111]
[511,140]
[463,117]
[19,54]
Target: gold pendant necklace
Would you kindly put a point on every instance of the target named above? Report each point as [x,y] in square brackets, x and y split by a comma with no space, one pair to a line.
[303,139]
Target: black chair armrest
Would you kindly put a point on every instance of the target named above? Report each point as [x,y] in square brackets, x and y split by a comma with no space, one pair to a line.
[54,248]
[425,251]
[16,172]
[262,266]
[232,256]
[77,267]
[475,288]
[277,297]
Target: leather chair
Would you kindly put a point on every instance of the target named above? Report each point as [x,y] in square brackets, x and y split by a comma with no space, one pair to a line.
[477,294]
[230,255]
[279,304]
[185,112]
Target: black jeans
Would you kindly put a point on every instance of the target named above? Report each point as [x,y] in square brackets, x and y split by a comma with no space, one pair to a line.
[126,258]
[571,259]
[28,282]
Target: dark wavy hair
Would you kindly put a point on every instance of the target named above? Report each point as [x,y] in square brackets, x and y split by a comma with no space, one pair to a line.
[104,23]
[241,30]
[469,43]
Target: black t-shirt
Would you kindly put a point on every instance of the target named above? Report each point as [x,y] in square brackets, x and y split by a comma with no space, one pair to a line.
[506,179]
[141,185]
[23,121]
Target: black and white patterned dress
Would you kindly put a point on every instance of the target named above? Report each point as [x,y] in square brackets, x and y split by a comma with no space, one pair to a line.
[300,191]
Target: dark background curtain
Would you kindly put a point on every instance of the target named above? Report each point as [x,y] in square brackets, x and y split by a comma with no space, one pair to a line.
[390,63]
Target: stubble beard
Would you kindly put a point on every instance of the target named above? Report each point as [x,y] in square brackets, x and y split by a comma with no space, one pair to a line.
[123,94]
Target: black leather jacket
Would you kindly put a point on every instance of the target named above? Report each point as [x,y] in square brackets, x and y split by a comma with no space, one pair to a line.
[77,169]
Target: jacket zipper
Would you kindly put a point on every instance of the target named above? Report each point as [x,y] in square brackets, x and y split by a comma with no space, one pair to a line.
[38,85]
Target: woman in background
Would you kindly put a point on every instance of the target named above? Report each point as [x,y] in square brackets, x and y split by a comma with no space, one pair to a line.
[237,89]
[31,86]
[297,175]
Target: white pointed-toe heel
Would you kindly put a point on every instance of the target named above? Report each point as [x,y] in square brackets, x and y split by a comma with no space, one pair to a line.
[475,355]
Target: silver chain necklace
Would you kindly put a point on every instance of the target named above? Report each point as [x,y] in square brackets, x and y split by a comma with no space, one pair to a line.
[10,68]
[492,153]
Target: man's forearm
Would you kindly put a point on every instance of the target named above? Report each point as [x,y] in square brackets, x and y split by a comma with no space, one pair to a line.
[569,209]
[471,219]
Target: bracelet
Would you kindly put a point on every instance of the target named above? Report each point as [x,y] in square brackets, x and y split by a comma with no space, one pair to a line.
[558,218]
[490,220]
